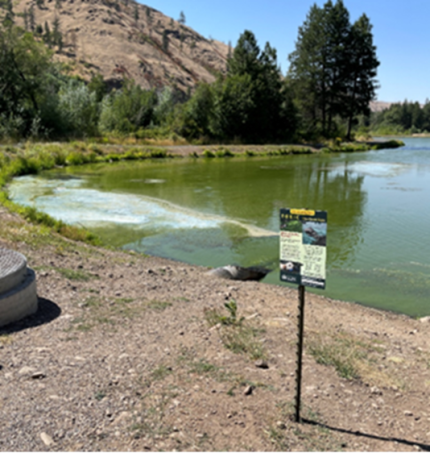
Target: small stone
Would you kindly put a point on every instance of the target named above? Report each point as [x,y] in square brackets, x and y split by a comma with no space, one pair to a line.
[425,319]
[375,391]
[248,390]
[281,425]
[46,439]
[38,375]
[408,413]
[261,364]
[26,370]
[122,418]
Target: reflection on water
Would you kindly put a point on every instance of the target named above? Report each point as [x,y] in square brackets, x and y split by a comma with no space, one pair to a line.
[220,211]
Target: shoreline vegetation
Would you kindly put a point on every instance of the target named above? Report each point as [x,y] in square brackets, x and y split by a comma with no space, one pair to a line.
[32,158]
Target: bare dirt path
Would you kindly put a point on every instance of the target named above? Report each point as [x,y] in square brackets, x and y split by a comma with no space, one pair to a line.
[121,356]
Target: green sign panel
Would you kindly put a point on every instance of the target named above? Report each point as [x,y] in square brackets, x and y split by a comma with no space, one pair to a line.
[303,238]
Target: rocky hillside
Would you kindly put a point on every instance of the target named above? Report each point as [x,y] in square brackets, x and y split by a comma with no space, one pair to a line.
[122,38]
[378,106]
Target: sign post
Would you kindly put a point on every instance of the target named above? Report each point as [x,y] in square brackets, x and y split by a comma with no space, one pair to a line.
[303,240]
[301,320]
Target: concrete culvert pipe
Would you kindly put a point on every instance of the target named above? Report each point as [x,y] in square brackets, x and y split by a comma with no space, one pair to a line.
[18,295]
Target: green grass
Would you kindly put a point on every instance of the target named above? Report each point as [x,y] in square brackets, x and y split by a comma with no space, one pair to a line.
[160,372]
[352,358]
[243,339]
[340,352]
[202,367]
[158,305]
[99,395]
[237,335]
[73,274]
[192,365]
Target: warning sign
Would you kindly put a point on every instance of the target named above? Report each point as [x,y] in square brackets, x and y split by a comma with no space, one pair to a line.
[303,239]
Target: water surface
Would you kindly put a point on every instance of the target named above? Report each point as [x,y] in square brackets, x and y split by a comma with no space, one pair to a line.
[220,211]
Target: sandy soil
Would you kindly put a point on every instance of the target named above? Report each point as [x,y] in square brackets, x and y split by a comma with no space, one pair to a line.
[121,356]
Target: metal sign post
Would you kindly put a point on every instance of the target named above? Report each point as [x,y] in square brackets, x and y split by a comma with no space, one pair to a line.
[301,320]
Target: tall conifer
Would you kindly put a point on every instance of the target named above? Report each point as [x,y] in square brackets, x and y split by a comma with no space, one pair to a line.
[333,68]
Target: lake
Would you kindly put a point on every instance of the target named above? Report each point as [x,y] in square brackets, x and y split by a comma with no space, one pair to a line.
[214,212]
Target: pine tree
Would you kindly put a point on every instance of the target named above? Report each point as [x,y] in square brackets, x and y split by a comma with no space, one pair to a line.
[245,56]
[229,55]
[181,19]
[165,41]
[31,18]
[362,65]
[333,68]
[47,37]
[74,41]
[308,69]
[25,16]
[56,33]
[149,19]
[9,18]
[60,42]
[263,112]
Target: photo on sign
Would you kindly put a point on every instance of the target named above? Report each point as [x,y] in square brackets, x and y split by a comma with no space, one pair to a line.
[290,267]
[290,271]
[315,233]
[292,225]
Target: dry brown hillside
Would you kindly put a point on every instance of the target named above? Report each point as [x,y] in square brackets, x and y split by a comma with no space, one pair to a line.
[120,38]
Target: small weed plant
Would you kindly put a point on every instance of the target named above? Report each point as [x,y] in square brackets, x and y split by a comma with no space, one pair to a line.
[352,358]
[236,334]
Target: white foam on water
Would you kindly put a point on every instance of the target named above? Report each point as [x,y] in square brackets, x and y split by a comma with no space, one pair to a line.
[68,201]
[376,169]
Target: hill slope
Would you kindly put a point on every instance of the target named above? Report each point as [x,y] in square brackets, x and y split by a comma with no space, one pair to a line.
[123,38]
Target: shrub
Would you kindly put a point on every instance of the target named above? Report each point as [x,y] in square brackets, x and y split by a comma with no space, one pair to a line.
[128,109]
[208,153]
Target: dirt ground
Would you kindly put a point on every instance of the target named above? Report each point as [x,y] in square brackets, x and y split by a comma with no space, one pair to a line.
[136,353]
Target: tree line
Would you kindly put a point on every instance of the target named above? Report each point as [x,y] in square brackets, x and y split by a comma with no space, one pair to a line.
[401,118]
[329,84]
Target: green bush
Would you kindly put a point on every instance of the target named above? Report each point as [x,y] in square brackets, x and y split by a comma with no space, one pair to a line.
[223,153]
[127,110]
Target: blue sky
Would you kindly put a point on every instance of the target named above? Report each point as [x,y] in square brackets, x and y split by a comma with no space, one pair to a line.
[401,30]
